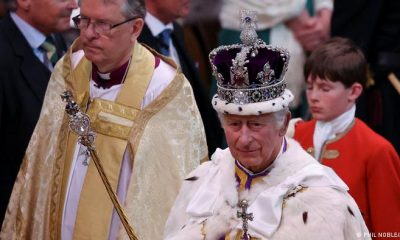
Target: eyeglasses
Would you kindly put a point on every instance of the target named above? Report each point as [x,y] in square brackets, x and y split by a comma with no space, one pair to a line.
[99,27]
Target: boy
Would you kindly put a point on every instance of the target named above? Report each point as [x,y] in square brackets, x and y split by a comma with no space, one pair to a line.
[336,74]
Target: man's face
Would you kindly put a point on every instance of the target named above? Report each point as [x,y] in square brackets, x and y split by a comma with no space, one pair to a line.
[326,99]
[108,51]
[49,16]
[254,141]
[168,10]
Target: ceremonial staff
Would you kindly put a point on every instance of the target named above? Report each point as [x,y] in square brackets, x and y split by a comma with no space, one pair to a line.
[79,123]
[244,204]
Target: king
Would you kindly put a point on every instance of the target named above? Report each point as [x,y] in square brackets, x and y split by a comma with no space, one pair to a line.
[264,185]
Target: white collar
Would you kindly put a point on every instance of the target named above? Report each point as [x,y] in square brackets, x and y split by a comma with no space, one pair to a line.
[34,37]
[155,25]
[328,130]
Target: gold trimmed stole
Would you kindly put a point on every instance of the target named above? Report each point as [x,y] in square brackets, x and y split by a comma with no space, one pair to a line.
[113,123]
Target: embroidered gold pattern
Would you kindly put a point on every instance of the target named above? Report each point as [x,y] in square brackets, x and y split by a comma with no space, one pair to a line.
[292,193]
[101,114]
[311,151]
[331,154]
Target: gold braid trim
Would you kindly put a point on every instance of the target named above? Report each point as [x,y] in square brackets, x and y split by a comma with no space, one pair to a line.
[202,229]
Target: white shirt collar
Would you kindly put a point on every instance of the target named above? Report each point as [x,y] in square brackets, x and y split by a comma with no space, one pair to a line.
[328,130]
[155,25]
[31,34]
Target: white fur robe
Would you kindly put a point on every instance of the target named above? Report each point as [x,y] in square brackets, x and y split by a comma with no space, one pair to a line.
[206,206]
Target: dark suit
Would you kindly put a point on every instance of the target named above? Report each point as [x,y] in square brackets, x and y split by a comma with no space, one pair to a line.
[23,82]
[375,27]
[211,123]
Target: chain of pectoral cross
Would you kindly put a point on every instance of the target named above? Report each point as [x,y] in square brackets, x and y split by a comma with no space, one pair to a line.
[244,204]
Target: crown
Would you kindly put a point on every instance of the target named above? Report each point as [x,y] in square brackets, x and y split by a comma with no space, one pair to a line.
[251,72]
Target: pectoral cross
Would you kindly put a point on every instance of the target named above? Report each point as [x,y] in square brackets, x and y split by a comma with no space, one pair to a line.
[244,204]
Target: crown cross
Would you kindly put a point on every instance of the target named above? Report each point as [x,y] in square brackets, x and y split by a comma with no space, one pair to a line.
[239,72]
[248,35]
[244,204]
[240,76]
[266,75]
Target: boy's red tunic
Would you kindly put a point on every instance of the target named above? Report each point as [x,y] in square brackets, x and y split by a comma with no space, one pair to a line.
[369,165]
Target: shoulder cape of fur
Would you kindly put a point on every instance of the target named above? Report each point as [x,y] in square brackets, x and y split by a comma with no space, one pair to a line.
[206,207]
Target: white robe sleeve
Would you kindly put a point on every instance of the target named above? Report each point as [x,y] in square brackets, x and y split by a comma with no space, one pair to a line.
[178,225]
[269,12]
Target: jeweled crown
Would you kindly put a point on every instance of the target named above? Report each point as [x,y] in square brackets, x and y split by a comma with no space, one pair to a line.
[250,72]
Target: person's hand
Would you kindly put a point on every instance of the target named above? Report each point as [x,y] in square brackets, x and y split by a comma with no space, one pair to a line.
[297,23]
[311,35]
[311,31]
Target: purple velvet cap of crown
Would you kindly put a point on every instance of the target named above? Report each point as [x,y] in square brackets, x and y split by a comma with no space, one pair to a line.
[223,62]
[249,74]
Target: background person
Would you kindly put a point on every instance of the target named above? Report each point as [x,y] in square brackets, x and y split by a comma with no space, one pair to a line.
[149,135]
[27,31]
[336,74]
[162,33]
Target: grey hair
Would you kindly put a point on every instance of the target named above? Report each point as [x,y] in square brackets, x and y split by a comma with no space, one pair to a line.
[134,8]
[130,8]
[280,117]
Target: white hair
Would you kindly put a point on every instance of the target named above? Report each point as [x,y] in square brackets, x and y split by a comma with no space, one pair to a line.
[280,117]
[130,8]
